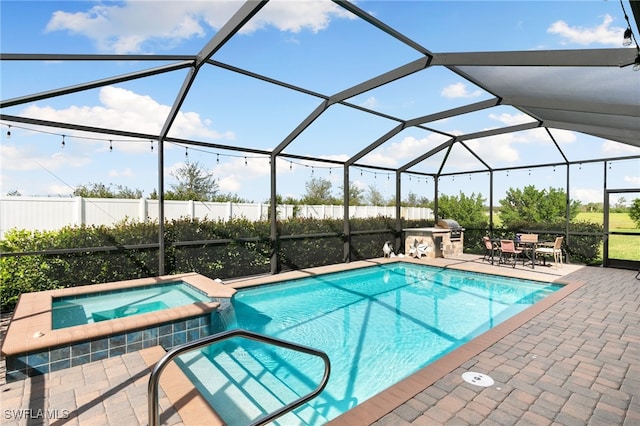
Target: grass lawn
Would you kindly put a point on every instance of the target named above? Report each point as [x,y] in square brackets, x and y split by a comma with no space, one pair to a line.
[620,246]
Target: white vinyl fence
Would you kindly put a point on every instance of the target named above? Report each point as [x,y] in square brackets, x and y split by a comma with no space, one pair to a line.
[47,213]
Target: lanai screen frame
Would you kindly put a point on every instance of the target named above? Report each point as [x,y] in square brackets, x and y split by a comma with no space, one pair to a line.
[460,63]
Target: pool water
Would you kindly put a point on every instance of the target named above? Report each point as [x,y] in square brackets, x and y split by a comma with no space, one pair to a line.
[89,308]
[377,324]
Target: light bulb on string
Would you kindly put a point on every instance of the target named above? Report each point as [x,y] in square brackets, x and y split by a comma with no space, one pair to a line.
[290,165]
[110,146]
[245,161]
[626,41]
[186,152]
[217,158]
[151,146]
[63,143]
[9,133]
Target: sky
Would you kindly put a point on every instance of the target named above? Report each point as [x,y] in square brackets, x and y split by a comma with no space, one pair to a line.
[315,45]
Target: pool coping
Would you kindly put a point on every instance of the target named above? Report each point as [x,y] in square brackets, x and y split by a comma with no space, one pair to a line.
[30,329]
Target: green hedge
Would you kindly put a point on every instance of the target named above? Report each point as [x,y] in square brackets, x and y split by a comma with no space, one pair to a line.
[246,249]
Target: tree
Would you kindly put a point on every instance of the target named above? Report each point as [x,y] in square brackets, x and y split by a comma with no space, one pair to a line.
[375,197]
[100,190]
[634,211]
[318,191]
[468,211]
[356,194]
[413,200]
[194,183]
[531,205]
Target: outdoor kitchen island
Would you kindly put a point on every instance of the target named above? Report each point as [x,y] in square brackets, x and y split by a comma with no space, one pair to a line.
[446,239]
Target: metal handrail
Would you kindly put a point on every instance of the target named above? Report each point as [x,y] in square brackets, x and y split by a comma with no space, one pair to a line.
[154,380]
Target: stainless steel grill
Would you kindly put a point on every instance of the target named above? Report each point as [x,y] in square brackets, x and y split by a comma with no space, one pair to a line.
[453,226]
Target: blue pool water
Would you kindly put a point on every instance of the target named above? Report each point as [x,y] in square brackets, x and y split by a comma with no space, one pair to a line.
[377,324]
[95,307]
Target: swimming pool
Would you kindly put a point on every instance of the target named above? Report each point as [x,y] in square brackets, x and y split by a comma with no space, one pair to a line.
[378,325]
[75,310]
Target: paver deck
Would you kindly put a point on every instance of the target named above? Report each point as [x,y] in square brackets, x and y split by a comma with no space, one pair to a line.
[576,362]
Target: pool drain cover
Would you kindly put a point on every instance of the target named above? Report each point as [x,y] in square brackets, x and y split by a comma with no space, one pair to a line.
[477,379]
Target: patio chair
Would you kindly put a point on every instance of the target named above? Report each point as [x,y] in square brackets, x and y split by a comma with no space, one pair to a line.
[555,251]
[490,249]
[508,251]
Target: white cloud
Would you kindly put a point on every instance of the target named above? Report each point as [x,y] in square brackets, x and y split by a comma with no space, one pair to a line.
[403,150]
[294,16]
[28,158]
[371,102]
[587,195]
[511,119]
[635,180]
[126,172]
[459,90]
[603,34]
[144,26]
[611,148]
[127,110]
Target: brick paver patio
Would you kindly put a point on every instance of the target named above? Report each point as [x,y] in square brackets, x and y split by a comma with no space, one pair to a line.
[576,363]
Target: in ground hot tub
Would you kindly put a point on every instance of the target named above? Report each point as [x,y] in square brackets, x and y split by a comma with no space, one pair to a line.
[33,346]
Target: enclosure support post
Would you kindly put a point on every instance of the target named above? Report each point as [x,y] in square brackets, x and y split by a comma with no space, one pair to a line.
[273,213]
[568,216]
[491,203]
[398,241]
[160,206]
[346,230]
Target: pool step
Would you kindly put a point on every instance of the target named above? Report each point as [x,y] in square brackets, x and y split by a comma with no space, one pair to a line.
[244,383]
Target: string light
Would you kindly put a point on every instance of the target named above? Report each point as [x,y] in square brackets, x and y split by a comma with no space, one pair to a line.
[9,133]
[245,161]
[151,146]
[110,146]
[186,152]
[217,158]
[63,144]
[629,37]
[290,165]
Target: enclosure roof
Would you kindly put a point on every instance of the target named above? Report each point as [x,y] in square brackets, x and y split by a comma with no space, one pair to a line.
[591,91]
